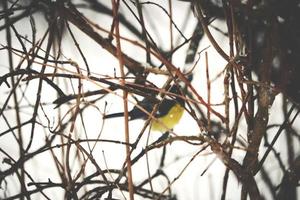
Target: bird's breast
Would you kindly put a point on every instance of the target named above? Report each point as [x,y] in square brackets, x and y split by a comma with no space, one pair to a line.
[169,120]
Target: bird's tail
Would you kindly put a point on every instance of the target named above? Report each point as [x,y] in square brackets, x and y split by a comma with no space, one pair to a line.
[120,114]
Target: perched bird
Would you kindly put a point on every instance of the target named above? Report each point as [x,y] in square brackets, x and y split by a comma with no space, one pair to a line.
[168,113]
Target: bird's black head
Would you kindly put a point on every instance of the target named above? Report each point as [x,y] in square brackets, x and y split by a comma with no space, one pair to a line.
[175,89]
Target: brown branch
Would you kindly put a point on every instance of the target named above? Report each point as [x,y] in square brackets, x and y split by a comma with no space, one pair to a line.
[115,5]
[75,17]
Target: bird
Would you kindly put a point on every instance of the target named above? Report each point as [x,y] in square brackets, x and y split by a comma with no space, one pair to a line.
[168,114]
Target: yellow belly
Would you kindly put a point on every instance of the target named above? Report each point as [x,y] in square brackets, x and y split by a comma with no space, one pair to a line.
[167,122]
